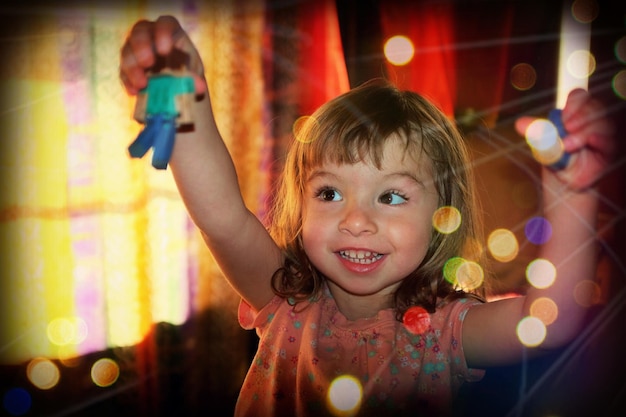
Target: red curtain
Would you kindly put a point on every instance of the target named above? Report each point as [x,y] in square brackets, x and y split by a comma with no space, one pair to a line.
[460,62]
[430,27]
[483,43]
[322,72]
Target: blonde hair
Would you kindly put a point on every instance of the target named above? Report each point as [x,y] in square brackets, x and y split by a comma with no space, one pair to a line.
[353,127]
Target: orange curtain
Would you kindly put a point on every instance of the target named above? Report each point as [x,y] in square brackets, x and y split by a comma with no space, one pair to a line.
[100,259]
[96,243]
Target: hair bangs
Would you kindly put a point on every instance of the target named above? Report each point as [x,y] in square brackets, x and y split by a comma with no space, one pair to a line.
[347,135]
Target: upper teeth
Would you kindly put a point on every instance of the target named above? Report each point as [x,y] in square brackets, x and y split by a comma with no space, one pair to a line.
[360,256]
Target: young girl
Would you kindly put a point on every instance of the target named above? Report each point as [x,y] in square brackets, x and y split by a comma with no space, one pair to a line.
[351,251]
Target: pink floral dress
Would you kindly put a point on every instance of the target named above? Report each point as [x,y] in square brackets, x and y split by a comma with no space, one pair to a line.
[304,348]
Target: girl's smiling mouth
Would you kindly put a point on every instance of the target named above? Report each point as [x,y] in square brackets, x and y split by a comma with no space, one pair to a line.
[360,261]
[363,257]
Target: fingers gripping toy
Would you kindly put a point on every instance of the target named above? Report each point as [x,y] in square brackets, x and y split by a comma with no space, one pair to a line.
[162,106]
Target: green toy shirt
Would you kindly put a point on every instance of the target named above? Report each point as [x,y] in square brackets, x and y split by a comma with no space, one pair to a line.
[161,93]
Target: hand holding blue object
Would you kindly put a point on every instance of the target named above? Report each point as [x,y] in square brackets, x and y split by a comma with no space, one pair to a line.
[162,106]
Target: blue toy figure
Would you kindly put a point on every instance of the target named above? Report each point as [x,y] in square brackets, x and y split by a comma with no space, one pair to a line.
[163,106]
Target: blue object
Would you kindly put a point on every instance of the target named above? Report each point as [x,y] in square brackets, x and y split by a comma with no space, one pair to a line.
[555,116]
[161,115]
[159,132]
[17,401]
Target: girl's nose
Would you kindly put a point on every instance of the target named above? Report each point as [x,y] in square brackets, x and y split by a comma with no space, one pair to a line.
[357,220]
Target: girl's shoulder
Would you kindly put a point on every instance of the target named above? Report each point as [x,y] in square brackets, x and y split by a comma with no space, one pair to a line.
[278,309]
[452,311]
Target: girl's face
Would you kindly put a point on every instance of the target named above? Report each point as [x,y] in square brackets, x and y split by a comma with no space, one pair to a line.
[366,228]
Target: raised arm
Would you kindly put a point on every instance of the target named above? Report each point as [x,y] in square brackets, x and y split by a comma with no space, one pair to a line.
[203,169]
[570,205]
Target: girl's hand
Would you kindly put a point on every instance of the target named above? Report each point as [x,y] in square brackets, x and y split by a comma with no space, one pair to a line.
[590,140]
[147,43]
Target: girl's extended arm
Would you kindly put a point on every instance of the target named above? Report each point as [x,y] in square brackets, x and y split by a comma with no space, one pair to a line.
[570,204]
[204,171]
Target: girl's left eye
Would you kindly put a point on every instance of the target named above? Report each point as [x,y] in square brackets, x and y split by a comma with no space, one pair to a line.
[392,198]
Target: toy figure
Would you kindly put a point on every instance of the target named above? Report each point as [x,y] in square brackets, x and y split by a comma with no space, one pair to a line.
[163,105]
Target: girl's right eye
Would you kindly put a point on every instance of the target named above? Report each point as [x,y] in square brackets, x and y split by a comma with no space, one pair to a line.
[328,194]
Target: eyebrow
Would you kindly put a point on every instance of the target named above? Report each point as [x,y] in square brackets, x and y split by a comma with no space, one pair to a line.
[320,174]
[400,174]
[406,174]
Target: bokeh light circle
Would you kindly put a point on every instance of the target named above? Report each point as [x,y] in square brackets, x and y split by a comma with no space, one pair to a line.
[446,219]
[68,357]
[585,11]
[619,84]
[543,139]
[587,293]
[43,373]
[60,331]
[538,230]
[399,50]
[581,64]
[450,268]
[620,49]
[503,245]
[297,128]
[17,401]
[545,309]
[105,372]
[541,134]
[523,76]
[541,273]
[64,331]
[416,320]
[469,275]
[344,396]
[531,331]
